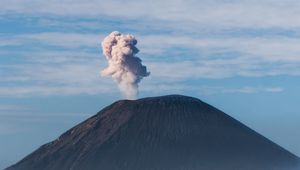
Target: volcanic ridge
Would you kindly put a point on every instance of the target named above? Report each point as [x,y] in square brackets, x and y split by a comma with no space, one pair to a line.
[160,133]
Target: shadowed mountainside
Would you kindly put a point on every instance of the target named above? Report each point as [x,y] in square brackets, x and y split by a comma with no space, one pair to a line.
[160,133]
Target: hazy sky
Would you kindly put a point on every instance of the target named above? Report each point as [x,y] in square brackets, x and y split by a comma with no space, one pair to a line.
[241,56]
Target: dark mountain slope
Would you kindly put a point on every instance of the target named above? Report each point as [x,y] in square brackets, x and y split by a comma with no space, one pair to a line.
[160,133]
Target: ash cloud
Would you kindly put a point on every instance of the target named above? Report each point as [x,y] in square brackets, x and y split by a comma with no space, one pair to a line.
[123,64]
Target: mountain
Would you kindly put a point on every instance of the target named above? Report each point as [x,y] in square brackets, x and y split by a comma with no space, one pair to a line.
[160,133]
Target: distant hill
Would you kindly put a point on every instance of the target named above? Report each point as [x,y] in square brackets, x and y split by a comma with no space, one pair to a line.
[160,133]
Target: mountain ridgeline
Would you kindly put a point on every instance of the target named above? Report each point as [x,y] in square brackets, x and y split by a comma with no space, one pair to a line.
[160,133]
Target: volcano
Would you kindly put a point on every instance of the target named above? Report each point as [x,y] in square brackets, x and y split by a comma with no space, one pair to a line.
[160,133]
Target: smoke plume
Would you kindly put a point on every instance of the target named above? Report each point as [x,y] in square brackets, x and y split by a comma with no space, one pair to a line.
[123,66]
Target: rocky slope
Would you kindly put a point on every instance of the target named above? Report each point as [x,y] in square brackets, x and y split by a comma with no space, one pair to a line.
[160,133]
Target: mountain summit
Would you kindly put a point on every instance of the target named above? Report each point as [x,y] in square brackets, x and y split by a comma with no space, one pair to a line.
[160,133]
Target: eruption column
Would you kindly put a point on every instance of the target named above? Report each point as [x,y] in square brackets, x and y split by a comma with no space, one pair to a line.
[123,66]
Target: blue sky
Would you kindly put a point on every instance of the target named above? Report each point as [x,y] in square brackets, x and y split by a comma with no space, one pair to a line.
[240,56]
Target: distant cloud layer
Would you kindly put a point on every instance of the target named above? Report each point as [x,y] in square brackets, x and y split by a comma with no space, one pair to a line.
[203,39]
[242,13]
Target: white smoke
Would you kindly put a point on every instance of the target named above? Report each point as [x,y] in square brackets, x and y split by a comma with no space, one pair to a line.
[123,66]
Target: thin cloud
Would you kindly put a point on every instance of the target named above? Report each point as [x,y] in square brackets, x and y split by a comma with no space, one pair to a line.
[274,89]
[65,39]
[81,77]
[6,129]
[270,48]
[11,108]
[66,62]
[248,89]
[212,13]
[168,87]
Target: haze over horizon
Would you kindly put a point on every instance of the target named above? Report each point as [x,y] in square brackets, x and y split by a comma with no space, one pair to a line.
[239,56]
